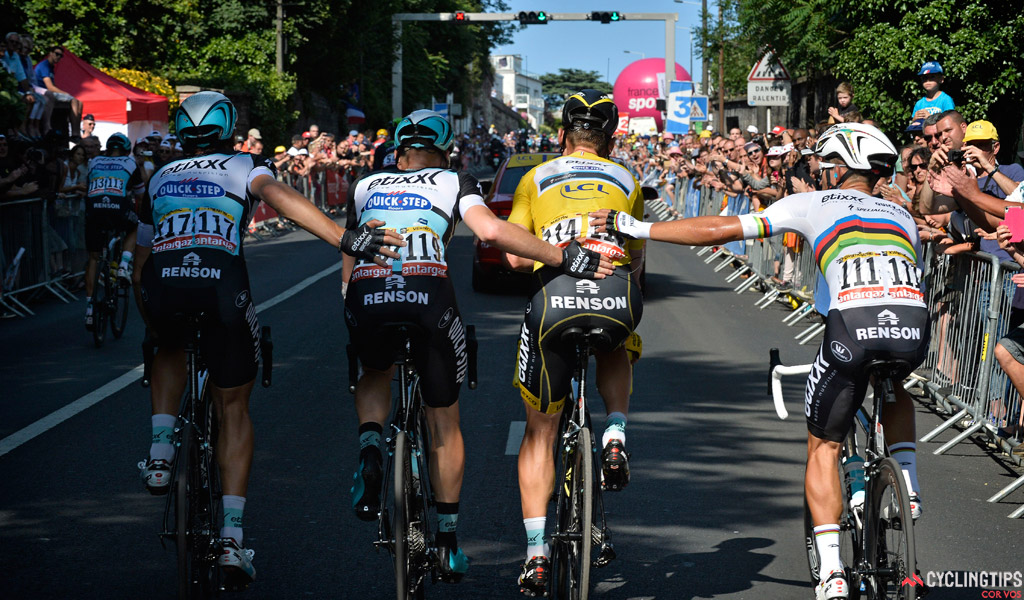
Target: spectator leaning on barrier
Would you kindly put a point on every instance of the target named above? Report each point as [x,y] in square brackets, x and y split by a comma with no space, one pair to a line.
[934,100]
[45,78]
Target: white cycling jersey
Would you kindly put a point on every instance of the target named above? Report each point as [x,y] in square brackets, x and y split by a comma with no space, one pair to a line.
[867,248]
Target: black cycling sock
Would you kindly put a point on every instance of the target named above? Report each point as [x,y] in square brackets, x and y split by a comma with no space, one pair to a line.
[447,521]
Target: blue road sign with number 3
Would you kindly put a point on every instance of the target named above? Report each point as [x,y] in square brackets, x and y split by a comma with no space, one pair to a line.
[678,113]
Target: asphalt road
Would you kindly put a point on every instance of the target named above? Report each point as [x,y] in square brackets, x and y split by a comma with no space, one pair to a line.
[713,511]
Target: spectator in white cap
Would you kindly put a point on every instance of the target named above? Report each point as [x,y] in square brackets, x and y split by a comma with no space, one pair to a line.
[163,153]
[752,130]
[155,137]
[254,136]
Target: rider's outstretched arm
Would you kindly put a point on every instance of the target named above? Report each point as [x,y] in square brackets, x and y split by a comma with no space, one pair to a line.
[697,231]
[514,239]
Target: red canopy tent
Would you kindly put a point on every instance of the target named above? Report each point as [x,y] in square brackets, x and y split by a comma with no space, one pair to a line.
[116,105]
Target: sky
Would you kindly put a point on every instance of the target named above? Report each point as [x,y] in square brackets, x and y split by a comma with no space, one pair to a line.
[593,46]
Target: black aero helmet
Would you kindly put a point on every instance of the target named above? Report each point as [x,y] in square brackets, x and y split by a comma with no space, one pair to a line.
[590,109]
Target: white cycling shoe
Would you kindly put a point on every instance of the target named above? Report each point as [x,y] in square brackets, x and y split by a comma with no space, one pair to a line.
[916,506]
[156,475]
[834,587]
[236,562]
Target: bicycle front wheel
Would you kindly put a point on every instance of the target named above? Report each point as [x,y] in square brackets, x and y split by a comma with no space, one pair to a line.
[576,521]
[194,514]
[99,302]
[889,532]
[119,311]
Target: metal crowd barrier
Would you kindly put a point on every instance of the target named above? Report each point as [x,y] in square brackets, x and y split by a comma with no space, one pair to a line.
[969,296]
[36,257]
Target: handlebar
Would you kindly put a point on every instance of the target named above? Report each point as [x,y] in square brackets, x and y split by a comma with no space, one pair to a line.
[775,372]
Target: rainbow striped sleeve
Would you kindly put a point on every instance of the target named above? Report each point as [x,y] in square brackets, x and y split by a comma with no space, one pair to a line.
[756,226]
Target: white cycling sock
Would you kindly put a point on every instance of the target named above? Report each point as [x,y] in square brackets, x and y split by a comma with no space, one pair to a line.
[126,258]
[614,429]
[826,540]
[905,453]
[162,446]
[234,506]
[535,544]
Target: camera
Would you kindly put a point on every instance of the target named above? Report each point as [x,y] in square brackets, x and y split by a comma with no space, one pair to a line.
[956,157]
[146,153]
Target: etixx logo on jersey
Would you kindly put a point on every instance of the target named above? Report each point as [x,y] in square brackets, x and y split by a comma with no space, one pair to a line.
[190,188]
[397,201]
[586,190]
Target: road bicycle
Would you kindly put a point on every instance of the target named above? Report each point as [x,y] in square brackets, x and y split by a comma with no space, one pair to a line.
[876,538]
[193,513]
[109,293]
[578,496]
[404,528]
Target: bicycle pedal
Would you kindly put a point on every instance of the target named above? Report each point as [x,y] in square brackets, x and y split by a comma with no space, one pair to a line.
[605,555]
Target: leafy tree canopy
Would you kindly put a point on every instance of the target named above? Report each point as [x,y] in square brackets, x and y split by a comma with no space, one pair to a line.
[879,45]
[557,86]
[340,49]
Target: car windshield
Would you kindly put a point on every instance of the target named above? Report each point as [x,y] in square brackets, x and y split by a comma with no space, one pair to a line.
[510,179]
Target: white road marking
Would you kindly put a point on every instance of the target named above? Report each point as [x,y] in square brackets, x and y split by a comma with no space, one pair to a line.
[516,430]
[112,387]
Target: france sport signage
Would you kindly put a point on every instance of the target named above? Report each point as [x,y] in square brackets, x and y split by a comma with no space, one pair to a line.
[768,83]
[678,109]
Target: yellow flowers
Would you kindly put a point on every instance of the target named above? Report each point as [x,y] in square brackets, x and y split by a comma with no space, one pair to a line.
[146,81]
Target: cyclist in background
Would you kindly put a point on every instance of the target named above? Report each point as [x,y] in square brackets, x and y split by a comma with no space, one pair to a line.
[869,252]
[552,202]
[200,208]
[424,200]
[115,181]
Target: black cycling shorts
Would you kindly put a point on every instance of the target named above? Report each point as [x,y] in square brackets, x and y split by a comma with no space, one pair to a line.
[838,379]
[230,340]
[544,364]
[107,214]
[439,335]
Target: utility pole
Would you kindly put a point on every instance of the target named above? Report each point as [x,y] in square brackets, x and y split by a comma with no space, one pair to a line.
[721,69]
[279,25]
[704,47]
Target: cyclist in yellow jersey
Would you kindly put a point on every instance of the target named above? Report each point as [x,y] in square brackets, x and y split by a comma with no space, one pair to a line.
[553,201]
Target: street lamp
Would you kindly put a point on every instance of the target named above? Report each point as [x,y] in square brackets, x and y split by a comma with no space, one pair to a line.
[642,55]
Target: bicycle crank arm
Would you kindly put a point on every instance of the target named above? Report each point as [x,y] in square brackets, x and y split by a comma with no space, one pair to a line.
[884,573]
[567,537]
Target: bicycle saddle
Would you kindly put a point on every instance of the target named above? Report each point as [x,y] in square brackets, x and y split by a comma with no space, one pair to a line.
[597,338]
[893,368]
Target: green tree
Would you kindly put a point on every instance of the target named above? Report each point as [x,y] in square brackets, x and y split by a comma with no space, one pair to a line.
[879,45]
[556,87]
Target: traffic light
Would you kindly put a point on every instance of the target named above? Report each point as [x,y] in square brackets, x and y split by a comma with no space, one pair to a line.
[460,16]
[533,18]
[606,16]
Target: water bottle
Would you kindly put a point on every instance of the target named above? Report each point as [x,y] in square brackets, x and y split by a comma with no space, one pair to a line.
[854,469]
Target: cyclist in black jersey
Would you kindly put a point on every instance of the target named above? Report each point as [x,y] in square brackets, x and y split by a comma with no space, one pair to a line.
[869,252]
[424,201]
[200,207]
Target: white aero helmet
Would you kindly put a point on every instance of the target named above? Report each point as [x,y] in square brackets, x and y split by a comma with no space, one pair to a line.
[861,147]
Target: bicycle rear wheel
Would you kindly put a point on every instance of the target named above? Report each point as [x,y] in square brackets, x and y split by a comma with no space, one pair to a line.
[195,512]
[99,302]
[575,522]
[409,543]
[890,535]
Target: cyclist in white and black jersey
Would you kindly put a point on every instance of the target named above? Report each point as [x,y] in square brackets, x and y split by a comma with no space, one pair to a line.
[200,207]
[422,200]
[115,183]
[870,254]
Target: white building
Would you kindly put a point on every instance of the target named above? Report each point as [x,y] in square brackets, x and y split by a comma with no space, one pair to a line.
[518,89]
